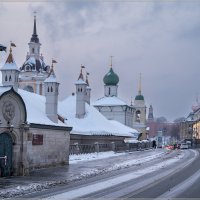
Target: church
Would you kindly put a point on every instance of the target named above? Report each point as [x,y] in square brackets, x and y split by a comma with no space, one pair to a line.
[113,108]
[36,129]
[31,134]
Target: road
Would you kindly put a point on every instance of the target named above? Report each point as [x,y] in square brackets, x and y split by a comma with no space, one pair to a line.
[175,176]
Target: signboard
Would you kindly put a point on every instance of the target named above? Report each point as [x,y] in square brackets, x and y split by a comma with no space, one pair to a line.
[37,139]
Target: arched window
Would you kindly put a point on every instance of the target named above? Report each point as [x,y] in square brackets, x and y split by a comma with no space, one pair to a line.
[33,50]
[51,89]
[78,90]
[10,78]
[138,115]
[109,90]
[81,89]
[48,89]
[6,78]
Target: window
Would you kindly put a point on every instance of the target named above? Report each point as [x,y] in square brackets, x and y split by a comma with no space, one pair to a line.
[33,50]
[138,115]
[10,79]
[109,91]
[6,79]
[51,89]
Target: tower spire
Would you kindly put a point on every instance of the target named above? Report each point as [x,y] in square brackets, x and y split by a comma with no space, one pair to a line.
[34,37]
[140,85]
[111,61]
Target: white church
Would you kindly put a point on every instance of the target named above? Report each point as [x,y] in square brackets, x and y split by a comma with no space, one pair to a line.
[36,129]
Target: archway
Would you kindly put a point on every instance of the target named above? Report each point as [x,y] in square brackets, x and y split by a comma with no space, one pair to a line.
[6,150]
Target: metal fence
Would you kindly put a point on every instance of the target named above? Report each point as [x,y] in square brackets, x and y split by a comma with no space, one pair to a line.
[102,147]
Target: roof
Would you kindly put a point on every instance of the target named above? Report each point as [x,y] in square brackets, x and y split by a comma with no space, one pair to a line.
[94,123]
[111,78]
[33,64]
[10,63]
[109,101]
[36,108]
[139,97]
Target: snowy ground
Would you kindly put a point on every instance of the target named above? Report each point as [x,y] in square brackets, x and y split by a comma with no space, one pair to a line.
[76,159]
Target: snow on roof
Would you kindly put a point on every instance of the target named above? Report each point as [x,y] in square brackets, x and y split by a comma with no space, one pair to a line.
[94,123]
[30,60]
[51,79]
[35,107]
[109,101]
[10,66]
[80,82]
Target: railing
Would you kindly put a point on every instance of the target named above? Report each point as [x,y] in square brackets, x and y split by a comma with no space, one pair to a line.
[102,147]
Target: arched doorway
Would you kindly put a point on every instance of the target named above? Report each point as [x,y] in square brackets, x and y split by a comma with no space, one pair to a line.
[5,150]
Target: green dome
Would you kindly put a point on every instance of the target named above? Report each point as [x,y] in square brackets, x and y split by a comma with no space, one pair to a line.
[139,97]
[111,78]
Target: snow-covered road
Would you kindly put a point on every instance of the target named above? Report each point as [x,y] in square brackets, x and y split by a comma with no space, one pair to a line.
[112,182]
[91,165]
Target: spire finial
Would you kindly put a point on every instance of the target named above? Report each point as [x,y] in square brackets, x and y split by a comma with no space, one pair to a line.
[52,67]
[81,73]
[34,37]
[10,57]
[111,61]
[140,85]
[34,28]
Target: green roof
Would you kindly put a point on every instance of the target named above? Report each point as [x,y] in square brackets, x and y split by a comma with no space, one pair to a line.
[111,78]
[139,97]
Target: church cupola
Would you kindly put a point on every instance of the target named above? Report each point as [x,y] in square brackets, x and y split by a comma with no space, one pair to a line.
[139,104]
[10,72]
[140,97]
[110,80]
[88,90]
[51,93]
[80,95]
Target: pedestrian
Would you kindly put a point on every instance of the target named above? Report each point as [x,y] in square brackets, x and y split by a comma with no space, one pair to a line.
[154,144]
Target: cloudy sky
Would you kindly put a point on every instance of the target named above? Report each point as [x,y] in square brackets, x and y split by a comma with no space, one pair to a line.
[160,39]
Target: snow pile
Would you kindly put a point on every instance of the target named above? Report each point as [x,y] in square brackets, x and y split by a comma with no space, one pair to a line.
[92,156]
[94,123]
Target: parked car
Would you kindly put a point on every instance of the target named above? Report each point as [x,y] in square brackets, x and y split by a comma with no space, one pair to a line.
[184,146]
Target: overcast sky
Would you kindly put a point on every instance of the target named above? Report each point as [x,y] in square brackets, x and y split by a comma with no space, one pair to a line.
[160,39]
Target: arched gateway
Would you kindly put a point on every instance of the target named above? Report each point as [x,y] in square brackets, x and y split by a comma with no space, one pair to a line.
[5,154]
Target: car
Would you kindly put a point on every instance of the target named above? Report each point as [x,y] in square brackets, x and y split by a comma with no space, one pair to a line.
[184,146]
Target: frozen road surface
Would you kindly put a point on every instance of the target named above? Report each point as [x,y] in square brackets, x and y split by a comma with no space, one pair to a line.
[168,177]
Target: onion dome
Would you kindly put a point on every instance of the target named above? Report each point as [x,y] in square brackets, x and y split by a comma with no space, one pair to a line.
[111,78]
[139,97]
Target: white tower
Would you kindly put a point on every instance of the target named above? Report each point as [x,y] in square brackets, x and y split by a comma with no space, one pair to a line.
[88,90]
[10,72]
[80,95]
[51,93]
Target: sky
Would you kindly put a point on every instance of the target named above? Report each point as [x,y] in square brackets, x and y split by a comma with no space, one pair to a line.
[159,39]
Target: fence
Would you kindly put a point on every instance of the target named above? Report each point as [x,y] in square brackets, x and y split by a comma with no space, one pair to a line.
[102,147]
